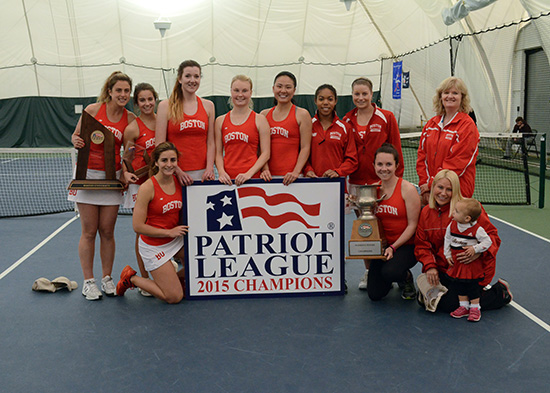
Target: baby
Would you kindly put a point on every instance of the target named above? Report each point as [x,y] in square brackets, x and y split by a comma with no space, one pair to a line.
[465,236]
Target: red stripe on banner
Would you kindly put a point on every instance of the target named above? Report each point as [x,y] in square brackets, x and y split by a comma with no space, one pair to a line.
[274,222]
[277,199]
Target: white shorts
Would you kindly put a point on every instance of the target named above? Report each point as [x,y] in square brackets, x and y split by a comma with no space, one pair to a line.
[130,196]
[156,256]
[97,197]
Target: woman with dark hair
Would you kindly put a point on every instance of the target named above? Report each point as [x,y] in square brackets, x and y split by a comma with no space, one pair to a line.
[188,121]
[333,152]
[398,215]
[290,132]
[156,219]
[372,126]
[429,248]
[139,139]
[449,140]
[99,208]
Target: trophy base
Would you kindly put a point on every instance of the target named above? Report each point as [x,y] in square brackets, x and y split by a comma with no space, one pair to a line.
[367,240]
[95,185]
[365,249]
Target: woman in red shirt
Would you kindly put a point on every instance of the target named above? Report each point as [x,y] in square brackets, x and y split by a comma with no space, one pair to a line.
[333,152]
[290,132]
[398,215]
[139,139]
[188,121]
[239,134]
[99,208]
[449,140]
[156,218]
[430,239]
[372,126]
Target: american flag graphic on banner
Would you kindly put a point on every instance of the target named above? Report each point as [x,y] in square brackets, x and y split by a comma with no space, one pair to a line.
[275,210]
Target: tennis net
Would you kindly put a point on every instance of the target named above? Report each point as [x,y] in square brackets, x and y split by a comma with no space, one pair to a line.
[34,181]
[502,172]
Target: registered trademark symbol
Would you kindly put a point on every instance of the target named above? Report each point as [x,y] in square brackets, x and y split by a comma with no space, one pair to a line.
[330,225]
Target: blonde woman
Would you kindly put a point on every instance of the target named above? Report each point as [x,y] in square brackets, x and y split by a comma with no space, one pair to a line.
[429,245]
[449,140]
[242,137]
[99,208]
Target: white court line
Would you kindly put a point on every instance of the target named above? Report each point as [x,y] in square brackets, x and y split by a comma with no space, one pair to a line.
[42,243]
[520,228]
[531,316]
[522,310]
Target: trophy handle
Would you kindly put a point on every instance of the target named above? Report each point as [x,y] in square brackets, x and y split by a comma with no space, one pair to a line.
[381,198]
[351,199]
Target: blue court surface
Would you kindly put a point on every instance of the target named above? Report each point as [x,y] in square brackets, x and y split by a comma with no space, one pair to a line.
[52,342]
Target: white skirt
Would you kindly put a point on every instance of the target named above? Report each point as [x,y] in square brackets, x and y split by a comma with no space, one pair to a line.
[156,256]
[130,196]
[97,197]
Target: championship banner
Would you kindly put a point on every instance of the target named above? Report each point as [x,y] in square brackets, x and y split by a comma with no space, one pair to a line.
[264,239]
[397,73]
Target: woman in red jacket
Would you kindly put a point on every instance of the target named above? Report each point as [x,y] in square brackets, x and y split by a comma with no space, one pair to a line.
[372,126]
[429,246]
[333,152]
[449,140]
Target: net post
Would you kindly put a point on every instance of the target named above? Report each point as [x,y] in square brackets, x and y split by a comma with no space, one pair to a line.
[542,174]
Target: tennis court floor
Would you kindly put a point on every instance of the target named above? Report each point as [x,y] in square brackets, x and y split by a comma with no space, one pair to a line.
[54,342]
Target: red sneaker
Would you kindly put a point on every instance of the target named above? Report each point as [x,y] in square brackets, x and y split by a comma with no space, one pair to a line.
[475,314]
[458,313]
[124,284]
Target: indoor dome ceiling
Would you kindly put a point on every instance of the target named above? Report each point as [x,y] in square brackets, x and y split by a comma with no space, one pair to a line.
[67,48]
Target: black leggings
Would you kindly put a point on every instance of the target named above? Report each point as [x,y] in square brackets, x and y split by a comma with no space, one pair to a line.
[382,273]
[489,300]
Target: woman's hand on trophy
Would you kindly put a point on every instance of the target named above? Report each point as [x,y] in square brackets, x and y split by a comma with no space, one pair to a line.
[77,141]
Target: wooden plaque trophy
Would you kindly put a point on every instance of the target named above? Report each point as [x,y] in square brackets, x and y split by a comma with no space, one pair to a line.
[143,171]
[92,131]
[367,236]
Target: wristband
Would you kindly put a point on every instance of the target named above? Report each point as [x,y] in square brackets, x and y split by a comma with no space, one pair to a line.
[392,247]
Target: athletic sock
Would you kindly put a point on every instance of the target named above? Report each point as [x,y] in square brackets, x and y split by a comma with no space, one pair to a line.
[475,306]
[465,304]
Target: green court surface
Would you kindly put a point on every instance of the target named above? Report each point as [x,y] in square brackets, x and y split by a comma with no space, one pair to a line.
[530,218]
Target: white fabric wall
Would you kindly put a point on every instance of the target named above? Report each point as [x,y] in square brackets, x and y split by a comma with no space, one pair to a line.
[76,44]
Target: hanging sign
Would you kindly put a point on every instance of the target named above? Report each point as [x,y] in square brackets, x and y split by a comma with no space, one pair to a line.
[397,74]
[406,79]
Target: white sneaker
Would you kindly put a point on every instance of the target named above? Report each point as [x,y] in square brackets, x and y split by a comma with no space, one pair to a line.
[144,292]
[363,281]
[108,286]
[90,290]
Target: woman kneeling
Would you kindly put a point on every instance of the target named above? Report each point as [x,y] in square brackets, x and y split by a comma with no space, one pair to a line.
[156,219]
